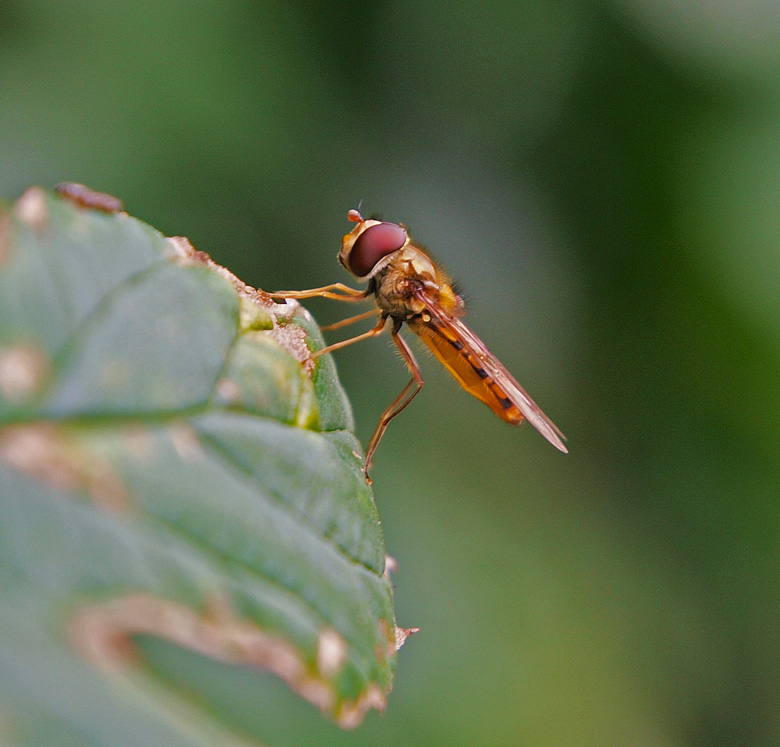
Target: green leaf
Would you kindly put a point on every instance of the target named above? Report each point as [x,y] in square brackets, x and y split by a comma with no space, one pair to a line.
[175,472]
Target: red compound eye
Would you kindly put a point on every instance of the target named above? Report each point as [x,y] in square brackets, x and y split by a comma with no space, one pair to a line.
[373,244]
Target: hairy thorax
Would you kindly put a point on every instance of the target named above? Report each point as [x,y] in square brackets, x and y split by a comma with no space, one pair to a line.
[397,284]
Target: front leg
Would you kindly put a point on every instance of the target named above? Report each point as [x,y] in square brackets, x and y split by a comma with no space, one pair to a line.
[336,291]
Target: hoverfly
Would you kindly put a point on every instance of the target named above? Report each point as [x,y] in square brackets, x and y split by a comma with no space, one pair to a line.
[410,288]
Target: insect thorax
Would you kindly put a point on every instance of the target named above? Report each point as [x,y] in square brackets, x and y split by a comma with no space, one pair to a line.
[396,284]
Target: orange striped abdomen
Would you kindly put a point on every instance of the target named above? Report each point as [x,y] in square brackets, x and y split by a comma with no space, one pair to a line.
[465,364]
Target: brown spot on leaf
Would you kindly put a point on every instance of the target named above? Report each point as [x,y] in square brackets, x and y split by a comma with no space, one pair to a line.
[23,368]
[83,196]
[103,635]
[182,247]
[186,253]
[351,715]
[258,310]
[387,648]
[293,339]
[331,652]
[256,305]
[31,208]
[44,452]
[185,442]
[394,638]
[228,390]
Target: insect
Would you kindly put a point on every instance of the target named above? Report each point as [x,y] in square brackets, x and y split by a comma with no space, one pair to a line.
[410,288]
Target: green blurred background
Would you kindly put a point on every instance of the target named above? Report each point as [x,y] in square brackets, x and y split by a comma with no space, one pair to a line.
[604,180]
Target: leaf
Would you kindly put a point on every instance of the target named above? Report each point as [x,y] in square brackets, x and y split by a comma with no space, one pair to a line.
[174,468]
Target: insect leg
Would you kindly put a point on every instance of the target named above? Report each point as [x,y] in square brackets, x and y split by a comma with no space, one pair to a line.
[338,345]
[350,320]
[400,403]
[345,293]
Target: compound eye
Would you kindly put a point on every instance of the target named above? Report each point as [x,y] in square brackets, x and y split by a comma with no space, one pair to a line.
[375,243]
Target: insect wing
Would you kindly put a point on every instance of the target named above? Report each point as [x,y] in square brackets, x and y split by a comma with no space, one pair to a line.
[480,372]
[446,345]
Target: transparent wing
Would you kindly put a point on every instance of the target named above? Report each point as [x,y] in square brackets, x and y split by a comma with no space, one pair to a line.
[479,372]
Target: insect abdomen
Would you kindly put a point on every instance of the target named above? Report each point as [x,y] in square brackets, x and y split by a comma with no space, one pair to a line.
[467,368]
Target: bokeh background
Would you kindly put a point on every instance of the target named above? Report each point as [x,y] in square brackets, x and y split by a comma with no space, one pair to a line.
[604,180]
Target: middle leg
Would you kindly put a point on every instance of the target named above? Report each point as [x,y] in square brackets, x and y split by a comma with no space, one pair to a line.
[350,320]
[338,345]
[401,402]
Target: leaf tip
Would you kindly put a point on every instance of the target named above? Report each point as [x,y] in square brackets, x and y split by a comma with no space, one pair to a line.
[401,634]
